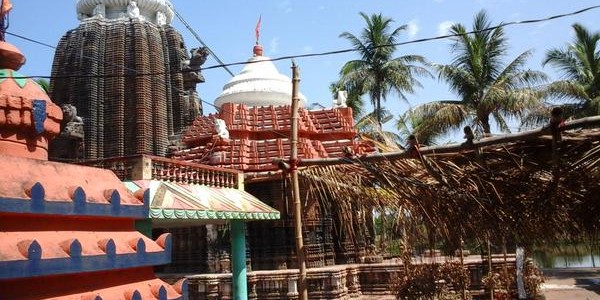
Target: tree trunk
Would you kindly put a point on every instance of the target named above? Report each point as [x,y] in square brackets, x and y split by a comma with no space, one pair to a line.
[378,110]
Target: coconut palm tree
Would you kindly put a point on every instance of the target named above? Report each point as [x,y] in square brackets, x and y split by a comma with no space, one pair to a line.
[579,63]
[487,88]
[44,84]
[377,72]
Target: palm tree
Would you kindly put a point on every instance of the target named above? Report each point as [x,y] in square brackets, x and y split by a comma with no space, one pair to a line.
[407,123]
[376,72]
[579,63]
[369,128]
[44,84]
[487,88]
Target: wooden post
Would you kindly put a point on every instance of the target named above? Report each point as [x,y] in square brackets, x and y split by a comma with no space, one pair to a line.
[462,267]
[302,289]
[490,266]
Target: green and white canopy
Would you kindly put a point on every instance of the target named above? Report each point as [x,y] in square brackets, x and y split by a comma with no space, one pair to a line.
[178,201]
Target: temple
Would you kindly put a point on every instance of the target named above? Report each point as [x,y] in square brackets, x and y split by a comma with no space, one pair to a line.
[150,93]
[255,107]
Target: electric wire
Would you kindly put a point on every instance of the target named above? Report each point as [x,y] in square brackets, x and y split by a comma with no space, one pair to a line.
[197,37]
[333,52]
[307,55]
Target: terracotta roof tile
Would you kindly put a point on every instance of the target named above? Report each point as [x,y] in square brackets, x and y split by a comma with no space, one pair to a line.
[37,253]
[37,186]
[128,284]
[259,134]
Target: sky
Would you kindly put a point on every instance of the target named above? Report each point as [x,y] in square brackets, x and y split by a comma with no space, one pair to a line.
[294,27]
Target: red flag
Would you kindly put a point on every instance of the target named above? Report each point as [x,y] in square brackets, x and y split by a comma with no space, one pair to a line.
[257,29]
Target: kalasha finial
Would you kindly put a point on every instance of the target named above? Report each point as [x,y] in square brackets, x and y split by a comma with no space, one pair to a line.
[5,7]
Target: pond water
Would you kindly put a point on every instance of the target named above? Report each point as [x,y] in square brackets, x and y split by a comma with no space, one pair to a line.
[567,257]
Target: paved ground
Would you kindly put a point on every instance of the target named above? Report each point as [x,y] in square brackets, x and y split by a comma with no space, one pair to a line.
[572,284]
[561,284]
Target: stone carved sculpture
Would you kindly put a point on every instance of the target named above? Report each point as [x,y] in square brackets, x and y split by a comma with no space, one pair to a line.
[70,143]
[161,18]
[81,16]
[198,57]
[221,129]
[340,99]
[99,11]
[70,114]
[133,10]
[191,68]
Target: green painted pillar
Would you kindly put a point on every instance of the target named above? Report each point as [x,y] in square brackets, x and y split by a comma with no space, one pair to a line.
[144,226]
[238,260]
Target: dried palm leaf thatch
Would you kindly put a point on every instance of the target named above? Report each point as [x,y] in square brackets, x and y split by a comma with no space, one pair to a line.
[510,189]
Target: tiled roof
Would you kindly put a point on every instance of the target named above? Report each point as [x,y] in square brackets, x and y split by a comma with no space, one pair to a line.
[68,233]
[35,186]
[127,284]
[38,253]
[258,135]
[170,201]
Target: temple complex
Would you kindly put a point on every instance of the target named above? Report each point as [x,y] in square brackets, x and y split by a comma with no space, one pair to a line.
[128,74]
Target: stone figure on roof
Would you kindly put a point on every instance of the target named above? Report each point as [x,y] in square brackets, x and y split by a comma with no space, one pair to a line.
[133,10]
[161,18]
[340,99]
[198,57]
[99,11]
[70,114]
[191,68]
[221,129]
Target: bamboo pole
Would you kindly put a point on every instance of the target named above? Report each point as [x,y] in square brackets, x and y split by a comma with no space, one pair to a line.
[462,267]
[490,266]
[302,289]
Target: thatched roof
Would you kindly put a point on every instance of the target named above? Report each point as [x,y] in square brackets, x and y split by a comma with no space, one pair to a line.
[532,186]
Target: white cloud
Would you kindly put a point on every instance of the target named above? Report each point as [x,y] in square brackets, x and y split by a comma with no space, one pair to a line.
[543,24]
[307,49]
[322,7]
[413,28]
[274,45]
[285,5]
[444,27]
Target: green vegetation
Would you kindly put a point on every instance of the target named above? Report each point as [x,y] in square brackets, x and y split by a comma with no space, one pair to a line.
[377,73]
[487,87]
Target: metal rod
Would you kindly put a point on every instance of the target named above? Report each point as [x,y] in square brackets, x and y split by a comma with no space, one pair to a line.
[303,293]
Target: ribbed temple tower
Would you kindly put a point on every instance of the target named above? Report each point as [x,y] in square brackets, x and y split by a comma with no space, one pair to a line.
[129,75]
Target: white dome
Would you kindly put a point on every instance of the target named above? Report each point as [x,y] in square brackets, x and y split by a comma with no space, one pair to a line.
[259,84]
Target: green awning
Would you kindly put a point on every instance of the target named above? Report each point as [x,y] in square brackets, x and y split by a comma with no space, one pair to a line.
[178,201]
